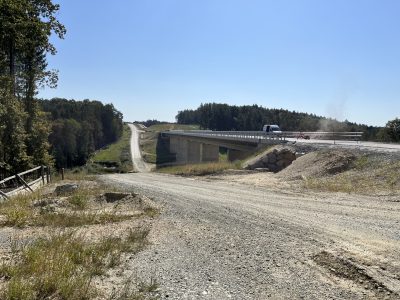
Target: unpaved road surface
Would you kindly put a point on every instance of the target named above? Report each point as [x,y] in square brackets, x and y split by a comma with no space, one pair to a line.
[138,163]
[221,240]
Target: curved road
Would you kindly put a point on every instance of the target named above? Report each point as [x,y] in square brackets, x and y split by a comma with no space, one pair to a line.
[220,240]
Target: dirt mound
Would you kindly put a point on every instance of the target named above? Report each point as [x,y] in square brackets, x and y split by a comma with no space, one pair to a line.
[319,163]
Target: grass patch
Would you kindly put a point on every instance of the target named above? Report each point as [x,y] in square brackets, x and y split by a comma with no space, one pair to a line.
[200,169]
[149,140]
[17,212]
[115,158]
[77,219]
[80,199]
[63,265]
[367,175]
[20,212]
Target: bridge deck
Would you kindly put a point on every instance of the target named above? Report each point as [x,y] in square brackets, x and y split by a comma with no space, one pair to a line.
[262,137]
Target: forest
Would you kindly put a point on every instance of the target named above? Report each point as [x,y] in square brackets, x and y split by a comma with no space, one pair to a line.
[78,128]
[216,116]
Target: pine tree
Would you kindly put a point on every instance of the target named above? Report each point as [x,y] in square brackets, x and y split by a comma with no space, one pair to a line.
[25,28]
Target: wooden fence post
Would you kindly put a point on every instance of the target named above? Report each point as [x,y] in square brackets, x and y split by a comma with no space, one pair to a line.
[62,173]
[48,174]
[24,182]
[42,174]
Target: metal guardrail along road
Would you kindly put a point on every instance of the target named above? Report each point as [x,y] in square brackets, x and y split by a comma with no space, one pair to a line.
[264,137]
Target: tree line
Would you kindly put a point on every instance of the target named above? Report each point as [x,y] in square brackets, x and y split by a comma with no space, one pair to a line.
[216,116]
[35,132]
[78,128]
[25,29]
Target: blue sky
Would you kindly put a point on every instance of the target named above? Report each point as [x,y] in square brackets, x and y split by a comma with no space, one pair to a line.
[153,58]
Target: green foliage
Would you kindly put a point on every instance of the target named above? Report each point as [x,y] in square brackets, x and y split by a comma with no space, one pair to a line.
[25,29]
[393,130]
[117,155]
[79,128]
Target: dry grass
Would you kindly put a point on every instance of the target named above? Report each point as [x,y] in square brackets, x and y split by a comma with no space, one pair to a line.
[80,198]
[200,169]
[63,265]
[65,220]
[367,175]
[17,212]
[20,212]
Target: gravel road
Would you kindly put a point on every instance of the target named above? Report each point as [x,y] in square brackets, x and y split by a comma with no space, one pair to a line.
[224,240]
[138,163]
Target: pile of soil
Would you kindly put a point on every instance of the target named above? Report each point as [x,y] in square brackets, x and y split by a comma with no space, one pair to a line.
[318,164]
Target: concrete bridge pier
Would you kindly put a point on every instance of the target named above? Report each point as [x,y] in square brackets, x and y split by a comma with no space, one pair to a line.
[236,154]
[188,151]
[209,152]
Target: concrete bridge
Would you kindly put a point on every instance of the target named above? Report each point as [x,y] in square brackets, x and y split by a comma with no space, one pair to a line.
[196,146]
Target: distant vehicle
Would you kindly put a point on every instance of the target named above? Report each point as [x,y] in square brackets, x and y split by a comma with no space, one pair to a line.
[272,130]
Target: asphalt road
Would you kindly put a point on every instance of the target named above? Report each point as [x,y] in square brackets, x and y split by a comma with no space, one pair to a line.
[362,145]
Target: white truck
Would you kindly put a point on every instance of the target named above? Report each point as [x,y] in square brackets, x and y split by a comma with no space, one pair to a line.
[272,130]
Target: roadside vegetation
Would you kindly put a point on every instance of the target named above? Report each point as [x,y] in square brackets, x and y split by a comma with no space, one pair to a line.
[115,158]
[335,170]
[201,169]
[63,265]
[154,152]
[77,238]
[366,175]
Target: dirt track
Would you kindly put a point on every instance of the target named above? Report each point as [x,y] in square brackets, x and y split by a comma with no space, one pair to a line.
[224,240]
[138,164]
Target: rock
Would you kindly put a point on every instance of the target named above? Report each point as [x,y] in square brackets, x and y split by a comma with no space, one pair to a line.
[283,163]
[66,189]
[261,169]
[46,202]
[271,158]
[273,167]
[265,159]
[274,160]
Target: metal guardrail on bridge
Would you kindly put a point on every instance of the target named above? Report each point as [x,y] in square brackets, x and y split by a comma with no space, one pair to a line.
[263,137]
